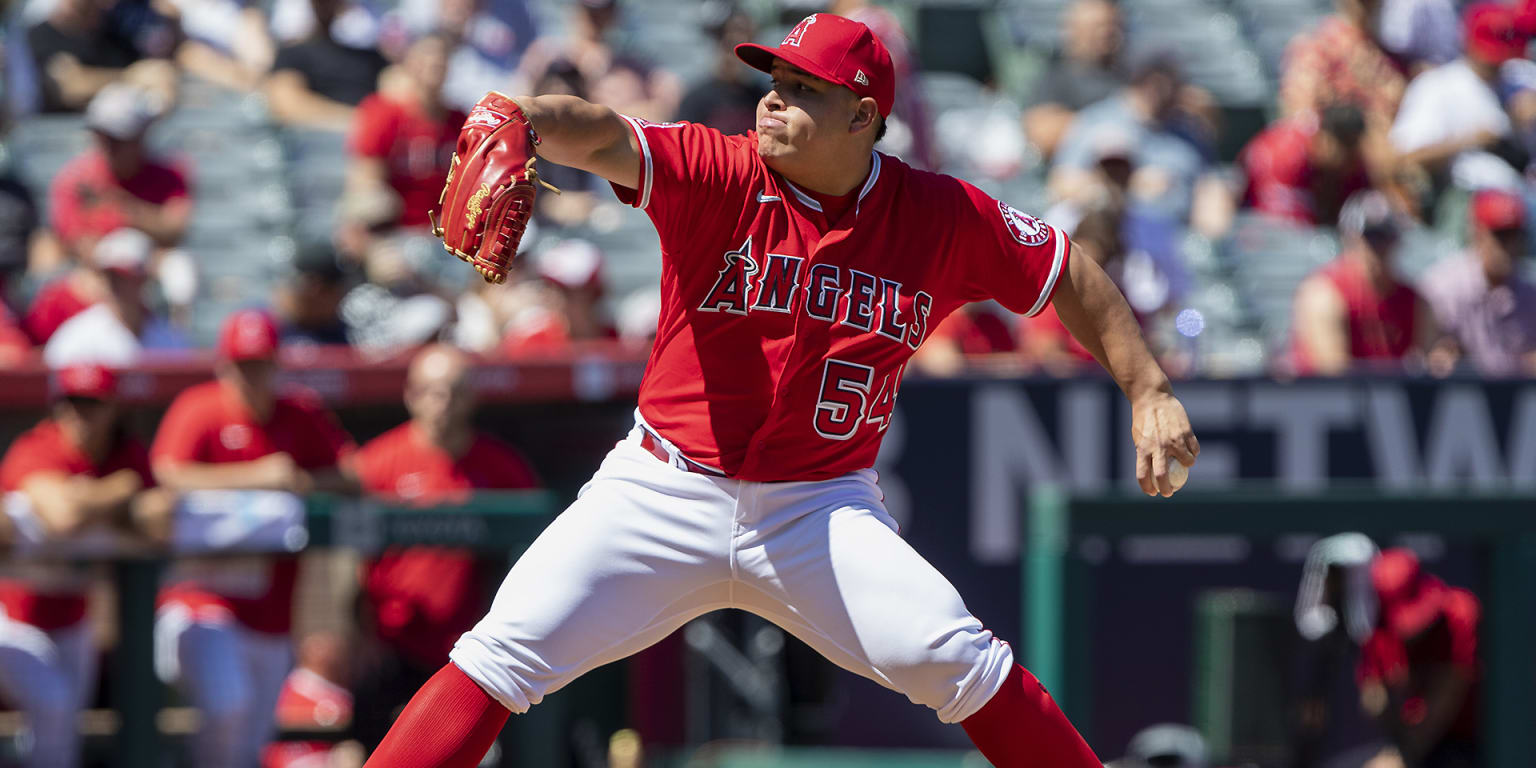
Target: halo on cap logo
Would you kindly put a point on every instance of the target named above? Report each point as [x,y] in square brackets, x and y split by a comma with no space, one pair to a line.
[1025,228]
[793,38]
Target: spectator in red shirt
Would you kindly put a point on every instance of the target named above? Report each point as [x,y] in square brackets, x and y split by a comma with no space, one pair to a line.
[1419,673]
[222,628]
[72,475]
[1354,309]
[1304,168]
[404,135]
[420,599]
[118,184]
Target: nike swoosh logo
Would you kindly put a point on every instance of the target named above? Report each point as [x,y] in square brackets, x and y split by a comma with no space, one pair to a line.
[762,198]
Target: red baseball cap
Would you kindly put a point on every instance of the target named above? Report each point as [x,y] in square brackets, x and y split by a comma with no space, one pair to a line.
[1495,33]
[1498,209]
[835,49]
[249,334]
[92,380]
[1410,599]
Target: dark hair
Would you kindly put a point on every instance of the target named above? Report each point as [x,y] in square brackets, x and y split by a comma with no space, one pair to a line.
[1154,63]
[318,260]
[880,132]
[1344,122]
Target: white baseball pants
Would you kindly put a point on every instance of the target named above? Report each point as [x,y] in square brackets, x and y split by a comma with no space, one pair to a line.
[646,547]
[49,676]
[233,676]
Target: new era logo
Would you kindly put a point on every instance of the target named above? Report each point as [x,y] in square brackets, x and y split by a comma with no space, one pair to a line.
[860,78]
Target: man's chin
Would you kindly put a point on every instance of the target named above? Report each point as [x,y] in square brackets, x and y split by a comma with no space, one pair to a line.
[770,150]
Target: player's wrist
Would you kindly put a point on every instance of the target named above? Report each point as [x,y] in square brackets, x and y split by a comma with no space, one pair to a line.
[1152,384]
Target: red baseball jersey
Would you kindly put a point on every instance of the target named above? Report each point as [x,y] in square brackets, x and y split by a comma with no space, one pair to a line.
[1409,668]
[423,598]
[416,148]
[209,424]
[44,448]
[783,334]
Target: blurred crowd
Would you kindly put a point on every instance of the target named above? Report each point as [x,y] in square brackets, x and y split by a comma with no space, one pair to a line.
[1390,121]
[230,461]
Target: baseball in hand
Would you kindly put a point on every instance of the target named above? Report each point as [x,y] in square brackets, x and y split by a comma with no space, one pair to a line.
[1178,474]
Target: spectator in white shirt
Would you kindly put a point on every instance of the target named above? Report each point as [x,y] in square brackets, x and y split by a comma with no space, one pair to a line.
[1454,110]
[116,330]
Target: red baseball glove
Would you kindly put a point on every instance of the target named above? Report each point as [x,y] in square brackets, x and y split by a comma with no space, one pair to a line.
[488,197]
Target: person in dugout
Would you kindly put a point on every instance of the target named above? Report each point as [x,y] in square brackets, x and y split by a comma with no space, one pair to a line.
[1419,672]
[75,480]
[222,626]
[418,600]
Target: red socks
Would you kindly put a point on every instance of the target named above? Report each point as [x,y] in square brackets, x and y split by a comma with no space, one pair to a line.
[450,723]
[1021,727]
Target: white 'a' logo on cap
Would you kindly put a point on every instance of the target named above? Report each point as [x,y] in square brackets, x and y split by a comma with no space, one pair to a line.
[859,78]
[793,38]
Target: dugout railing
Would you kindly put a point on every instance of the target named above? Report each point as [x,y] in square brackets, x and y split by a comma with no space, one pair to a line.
[1058,579]
[501,523]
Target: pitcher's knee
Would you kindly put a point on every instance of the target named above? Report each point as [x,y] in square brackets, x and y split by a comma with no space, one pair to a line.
[954,674]
[512,674]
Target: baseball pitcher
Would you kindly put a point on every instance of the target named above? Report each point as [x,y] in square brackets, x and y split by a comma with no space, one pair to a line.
[800,270]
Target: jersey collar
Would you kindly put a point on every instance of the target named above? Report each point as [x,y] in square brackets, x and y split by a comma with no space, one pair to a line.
[869,184]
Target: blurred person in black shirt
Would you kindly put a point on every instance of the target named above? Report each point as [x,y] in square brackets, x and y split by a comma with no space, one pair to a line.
[727,99]
[85,44]
[318,83]
[307,304]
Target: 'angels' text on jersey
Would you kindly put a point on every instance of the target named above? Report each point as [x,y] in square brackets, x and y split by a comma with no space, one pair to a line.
[775,282]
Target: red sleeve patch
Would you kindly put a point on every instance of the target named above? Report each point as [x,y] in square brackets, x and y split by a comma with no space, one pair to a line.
[1012,256]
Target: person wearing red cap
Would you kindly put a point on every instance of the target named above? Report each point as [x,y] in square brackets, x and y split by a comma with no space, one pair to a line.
[1481,297]
[73,475]
[222,627]
[1455,108]
[1419,673]
[800,271]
